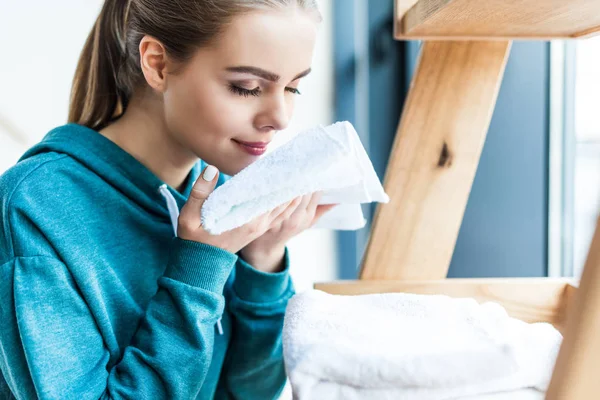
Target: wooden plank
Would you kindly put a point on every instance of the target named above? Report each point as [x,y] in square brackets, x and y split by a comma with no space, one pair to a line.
[434,159]
[515,19]
[528,299]
[401,7]
[575,374]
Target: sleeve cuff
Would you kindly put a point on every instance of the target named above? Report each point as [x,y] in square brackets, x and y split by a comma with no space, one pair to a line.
[199,264]
[256,286]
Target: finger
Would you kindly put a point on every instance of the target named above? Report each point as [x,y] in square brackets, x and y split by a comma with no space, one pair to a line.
[301,212]
[203,187]
[264,222]
[304,203]
[266,217]
[287,212]
[282,208]
[298,217]
[314,201]
[279,210]
[321,210]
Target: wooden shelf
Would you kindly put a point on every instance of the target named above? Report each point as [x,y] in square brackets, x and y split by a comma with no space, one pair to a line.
[501,19]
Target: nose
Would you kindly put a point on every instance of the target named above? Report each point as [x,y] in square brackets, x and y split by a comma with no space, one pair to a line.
[275,114]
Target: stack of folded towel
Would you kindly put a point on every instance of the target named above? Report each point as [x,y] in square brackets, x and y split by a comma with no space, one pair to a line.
[407,346]
[330,159]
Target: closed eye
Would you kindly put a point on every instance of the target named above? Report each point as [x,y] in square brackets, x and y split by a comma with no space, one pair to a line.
[244,92]
[292,90]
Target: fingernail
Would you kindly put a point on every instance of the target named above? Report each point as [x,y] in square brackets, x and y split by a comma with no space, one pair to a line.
[209,173]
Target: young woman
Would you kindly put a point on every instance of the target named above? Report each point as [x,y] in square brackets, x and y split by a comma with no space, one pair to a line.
[109,286]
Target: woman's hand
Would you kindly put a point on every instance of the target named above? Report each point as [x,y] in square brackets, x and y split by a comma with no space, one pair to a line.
[189,226]
[267,251]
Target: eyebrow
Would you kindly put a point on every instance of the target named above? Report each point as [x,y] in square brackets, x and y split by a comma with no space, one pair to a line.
[261,73]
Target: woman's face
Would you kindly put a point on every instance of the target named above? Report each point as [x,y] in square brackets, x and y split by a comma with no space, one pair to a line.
[232,97]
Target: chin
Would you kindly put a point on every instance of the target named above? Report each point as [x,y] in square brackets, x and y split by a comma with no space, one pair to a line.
[229,169]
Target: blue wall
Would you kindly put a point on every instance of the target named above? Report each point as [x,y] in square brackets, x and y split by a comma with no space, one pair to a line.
[345,103]
[386,80]
[505,230]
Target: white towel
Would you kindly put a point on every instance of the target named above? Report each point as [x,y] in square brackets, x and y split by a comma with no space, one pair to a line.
[407,346]
[521,394]
[329,159]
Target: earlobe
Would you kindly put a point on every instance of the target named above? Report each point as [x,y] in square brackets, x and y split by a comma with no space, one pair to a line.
[153,61]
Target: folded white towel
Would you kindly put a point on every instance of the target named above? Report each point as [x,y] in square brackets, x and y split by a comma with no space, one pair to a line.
[329,159]
[521,394]
[407,346]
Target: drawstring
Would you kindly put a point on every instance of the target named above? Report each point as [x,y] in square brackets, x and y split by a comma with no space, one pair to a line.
[171,206]
[219,326]
[174,215]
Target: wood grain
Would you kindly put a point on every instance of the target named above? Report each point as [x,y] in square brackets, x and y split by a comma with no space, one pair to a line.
[528,299]
[401,7]
[575,375]
[514,19]
[434,159]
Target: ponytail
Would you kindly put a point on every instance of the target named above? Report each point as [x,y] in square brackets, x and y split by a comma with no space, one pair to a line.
[98,95]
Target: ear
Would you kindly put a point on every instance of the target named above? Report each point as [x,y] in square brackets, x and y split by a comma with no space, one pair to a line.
[153,61]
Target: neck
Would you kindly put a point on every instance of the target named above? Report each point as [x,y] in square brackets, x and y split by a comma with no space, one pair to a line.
[143,133]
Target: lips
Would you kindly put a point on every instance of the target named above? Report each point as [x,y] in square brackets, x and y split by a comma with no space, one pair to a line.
[253,148]
[254,144]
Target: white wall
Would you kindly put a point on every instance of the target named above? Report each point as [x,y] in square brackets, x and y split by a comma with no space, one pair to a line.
[41,41]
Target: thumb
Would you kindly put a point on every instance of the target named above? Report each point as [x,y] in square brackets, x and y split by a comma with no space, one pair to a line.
[203,187]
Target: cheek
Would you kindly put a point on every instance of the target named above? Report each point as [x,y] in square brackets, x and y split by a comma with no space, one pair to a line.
[198,113]
[290,104]
[205,119]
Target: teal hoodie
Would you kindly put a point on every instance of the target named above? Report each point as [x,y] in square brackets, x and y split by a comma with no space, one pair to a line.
[100,300]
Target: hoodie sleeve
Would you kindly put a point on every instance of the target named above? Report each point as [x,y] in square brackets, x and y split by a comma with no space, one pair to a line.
[254,367]
[53,349]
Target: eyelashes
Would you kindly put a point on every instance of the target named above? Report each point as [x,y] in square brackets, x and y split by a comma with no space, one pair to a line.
[256,91]
[244,92]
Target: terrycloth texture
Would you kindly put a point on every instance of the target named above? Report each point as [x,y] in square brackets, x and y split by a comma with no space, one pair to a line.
[407,346]
[522,394]
[329,159]
[98,300]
